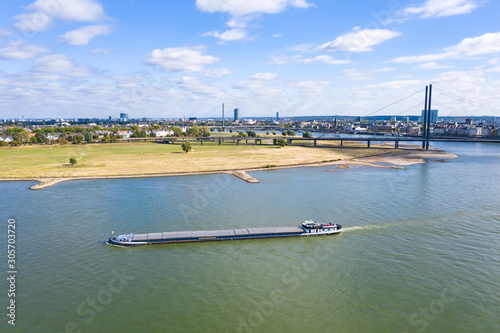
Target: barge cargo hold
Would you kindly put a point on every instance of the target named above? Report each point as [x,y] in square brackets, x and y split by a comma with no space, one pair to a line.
[308,228]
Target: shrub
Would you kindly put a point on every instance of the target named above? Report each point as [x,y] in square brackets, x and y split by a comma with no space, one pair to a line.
[186,146]
[282,142]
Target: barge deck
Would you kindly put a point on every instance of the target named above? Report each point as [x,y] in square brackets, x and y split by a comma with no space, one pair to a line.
[308,228]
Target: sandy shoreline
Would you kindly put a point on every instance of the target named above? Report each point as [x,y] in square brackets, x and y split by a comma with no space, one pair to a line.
[395,160]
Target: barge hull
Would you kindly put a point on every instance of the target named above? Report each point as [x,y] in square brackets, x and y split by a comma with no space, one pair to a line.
[214,235]
[220,235]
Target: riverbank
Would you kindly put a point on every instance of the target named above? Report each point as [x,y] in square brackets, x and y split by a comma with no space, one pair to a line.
[254,159]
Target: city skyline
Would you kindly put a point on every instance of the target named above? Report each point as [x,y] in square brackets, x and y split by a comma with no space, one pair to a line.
[87,58]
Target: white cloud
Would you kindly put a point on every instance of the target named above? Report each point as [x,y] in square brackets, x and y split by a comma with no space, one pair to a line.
[311,87]
[83,35]
[198,88]
[18,50]
[284,59]
[240,22]
[61,64]
[433,65]
[494,70]
[41,14]
[494,61]
[301,48]
[4,32]
[257,88]
[327,60]
[488,43]
[397,84]
[440,8]
[217,72]
[359,40]
[260,84]
[180,59]
[228,35]
[102,51]
[264,76]
[242,12]
[384,70]
[241,7]
[354,74]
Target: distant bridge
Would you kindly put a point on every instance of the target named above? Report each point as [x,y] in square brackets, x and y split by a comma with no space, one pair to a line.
[266,139]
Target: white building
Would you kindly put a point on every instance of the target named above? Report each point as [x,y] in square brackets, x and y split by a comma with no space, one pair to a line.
[125,134]
[163,133]
[476,131]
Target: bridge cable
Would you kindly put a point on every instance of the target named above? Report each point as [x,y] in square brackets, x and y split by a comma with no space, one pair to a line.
[402,99]
[463,99]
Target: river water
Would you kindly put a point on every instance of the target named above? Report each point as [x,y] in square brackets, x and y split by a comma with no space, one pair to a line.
[419,251]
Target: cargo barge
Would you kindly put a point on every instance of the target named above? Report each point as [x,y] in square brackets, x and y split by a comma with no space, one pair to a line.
[308,228]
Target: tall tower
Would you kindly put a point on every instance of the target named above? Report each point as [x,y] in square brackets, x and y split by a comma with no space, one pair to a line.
[277,116]
[236,114]
[433,115]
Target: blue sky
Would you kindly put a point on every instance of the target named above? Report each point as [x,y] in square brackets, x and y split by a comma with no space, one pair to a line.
[152,58]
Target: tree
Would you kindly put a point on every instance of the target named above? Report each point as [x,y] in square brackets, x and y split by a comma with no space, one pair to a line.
[282,142]
[73,161]
[267,133]
[307,135]
[40,137]
[291,133]
[194,131]
[177,131]
[186,146]
[251,134]
[284,133]
[88,137]
[274,133]
[21,136]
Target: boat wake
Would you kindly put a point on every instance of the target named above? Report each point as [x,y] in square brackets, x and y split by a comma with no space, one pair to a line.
[363,227]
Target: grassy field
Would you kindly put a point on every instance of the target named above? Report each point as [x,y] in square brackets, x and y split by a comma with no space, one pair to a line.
[142,158]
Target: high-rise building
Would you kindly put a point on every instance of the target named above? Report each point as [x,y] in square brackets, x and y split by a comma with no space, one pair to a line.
[433,117]
[123,116]
[277,116]
[236,114]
